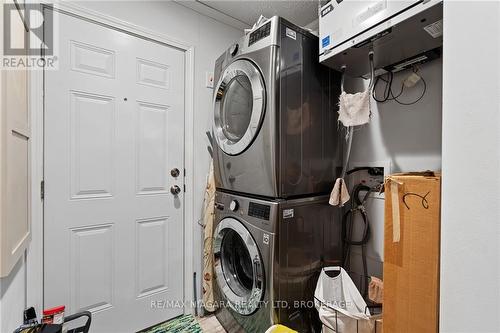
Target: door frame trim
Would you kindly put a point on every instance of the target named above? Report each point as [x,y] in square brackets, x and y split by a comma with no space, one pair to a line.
[34,268]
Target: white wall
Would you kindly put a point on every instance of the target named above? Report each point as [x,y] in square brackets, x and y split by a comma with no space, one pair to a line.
[470,229]
[12,298]
[408,138]
[210,38]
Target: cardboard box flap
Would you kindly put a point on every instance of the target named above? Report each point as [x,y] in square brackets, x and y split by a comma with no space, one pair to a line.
[425,174]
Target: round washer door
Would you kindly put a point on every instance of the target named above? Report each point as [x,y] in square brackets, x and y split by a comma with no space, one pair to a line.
[238,266]
[239,106]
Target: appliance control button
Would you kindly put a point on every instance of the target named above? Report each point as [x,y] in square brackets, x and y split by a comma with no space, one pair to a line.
[234,205]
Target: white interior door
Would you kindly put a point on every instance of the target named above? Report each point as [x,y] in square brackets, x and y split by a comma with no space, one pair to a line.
[114,130]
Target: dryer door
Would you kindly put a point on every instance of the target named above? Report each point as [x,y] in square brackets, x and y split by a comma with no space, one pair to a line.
[238,266]
[239,105]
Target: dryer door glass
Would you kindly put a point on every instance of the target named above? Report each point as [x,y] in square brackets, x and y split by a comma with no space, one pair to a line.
[238,266]
[239,106]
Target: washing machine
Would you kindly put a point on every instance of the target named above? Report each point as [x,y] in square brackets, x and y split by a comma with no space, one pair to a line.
[267,257]
[275,114]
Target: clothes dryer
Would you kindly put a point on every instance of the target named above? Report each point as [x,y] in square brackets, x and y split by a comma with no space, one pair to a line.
[275,115]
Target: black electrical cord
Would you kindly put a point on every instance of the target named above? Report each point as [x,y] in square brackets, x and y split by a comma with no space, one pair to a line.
[418,99]
[389,93]
[388,84]
[357,205]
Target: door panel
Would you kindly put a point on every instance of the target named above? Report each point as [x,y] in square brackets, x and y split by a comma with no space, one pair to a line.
[114,128]
[152,73]
[91,59]
[152,148]
[92,131]
[91,267]
[151,242]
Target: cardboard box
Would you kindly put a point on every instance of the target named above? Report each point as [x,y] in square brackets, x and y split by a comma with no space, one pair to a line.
[411,252]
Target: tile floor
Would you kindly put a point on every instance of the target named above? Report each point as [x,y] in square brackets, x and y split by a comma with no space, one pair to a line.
[210,324]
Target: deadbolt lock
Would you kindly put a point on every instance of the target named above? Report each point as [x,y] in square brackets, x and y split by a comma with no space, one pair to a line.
[175,172]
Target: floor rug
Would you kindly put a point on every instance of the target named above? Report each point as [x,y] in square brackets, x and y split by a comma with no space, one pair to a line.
[182,324]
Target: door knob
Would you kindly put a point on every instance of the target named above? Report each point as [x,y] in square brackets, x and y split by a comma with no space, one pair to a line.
[175,190]
[175,172]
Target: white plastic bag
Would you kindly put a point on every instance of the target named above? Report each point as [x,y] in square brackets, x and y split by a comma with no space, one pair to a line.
[341,307]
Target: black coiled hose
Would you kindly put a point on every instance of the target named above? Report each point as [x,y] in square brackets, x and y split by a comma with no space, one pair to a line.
[357,206]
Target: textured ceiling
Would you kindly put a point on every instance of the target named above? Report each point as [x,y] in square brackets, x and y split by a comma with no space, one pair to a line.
[247,12]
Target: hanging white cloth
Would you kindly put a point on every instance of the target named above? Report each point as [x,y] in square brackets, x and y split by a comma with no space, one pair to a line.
[341,307]
[354,109]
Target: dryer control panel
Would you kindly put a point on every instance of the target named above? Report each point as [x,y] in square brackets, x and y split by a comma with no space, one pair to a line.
[260,33]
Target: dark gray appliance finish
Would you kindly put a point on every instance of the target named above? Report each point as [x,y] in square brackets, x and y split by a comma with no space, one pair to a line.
[296,239]
[291,147]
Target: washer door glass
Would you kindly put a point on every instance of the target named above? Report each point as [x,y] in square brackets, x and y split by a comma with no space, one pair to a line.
[236,263]
[238,106]
[238,266]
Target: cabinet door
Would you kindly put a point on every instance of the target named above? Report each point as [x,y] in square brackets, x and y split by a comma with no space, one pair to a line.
[15,170]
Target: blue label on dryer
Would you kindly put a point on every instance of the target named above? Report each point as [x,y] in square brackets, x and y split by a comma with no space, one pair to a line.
[325,41]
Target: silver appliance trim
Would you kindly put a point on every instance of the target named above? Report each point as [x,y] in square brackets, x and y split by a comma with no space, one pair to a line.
[242,304]
[248,69]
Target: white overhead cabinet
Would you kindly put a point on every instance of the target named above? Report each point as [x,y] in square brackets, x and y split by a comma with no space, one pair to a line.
[400,33]
[14,151]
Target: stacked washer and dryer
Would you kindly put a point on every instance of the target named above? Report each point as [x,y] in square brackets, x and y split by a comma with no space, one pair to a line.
[276,156]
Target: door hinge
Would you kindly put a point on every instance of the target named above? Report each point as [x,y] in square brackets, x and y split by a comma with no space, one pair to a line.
[42,189]
[184,187]
[184,172]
